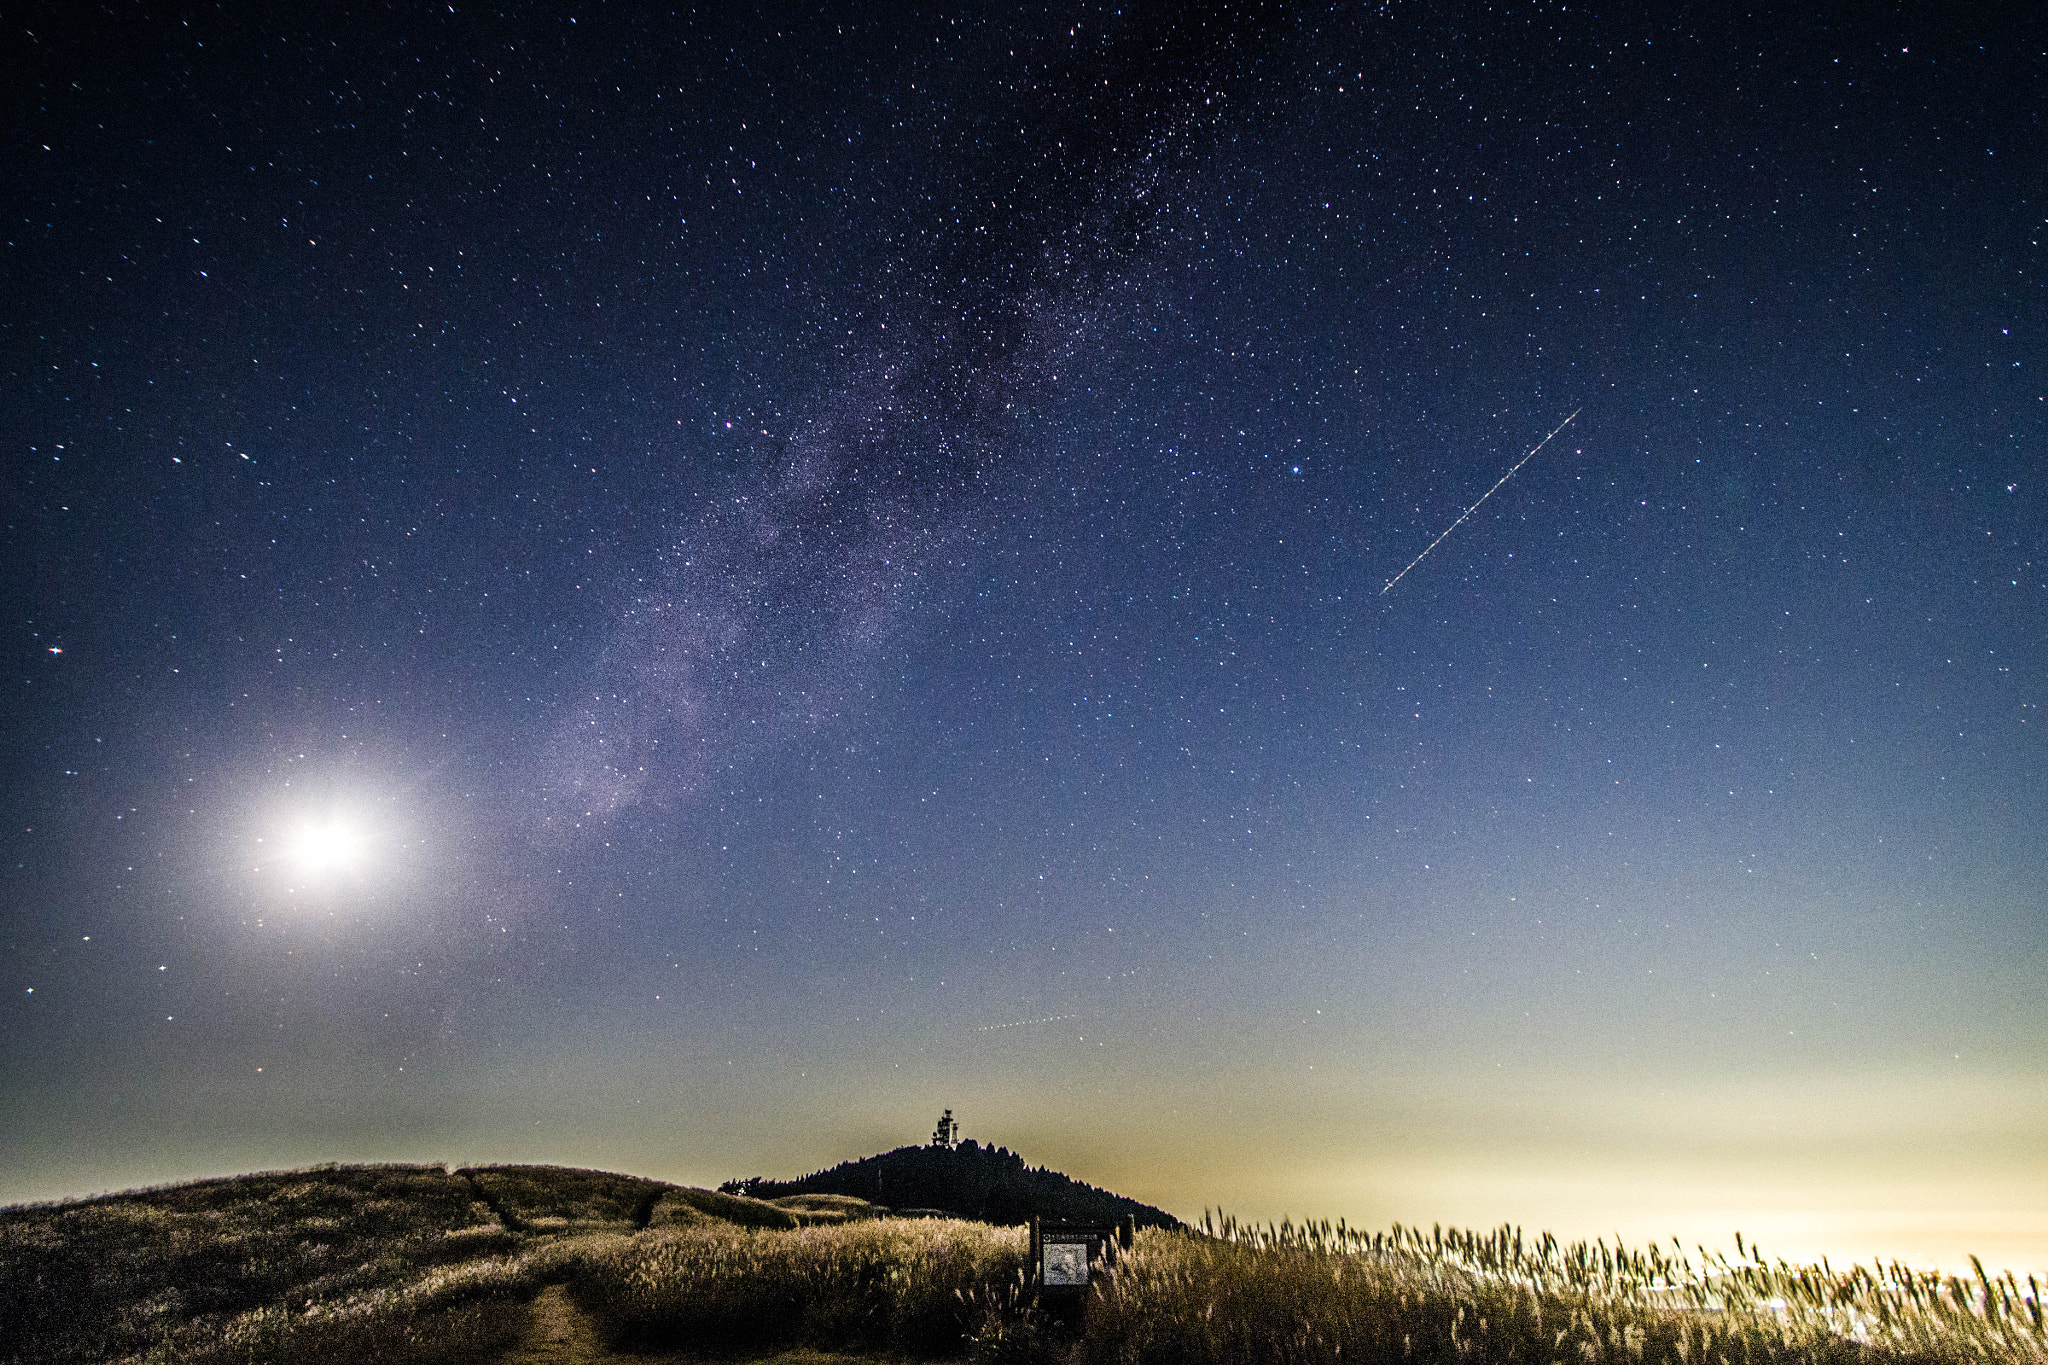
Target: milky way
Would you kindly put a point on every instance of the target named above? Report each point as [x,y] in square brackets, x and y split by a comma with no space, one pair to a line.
[764,618]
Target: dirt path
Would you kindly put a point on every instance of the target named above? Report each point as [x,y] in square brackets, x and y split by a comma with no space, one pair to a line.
[562,1334]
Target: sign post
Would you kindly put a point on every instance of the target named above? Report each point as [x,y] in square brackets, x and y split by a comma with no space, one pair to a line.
[1066,1257]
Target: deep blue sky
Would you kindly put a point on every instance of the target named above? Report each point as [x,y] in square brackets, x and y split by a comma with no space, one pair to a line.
[830,564]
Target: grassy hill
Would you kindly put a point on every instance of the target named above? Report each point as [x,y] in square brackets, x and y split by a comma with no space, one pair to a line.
[387,1263]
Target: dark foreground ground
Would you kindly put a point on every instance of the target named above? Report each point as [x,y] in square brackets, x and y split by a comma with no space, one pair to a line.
[563,1334]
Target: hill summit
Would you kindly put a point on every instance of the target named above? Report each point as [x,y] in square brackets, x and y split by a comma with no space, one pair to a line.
[963,1180]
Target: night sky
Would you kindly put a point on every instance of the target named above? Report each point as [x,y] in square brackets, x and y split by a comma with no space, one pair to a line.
[680,591]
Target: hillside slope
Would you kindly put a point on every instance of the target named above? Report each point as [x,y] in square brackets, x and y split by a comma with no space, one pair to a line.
[404,1263]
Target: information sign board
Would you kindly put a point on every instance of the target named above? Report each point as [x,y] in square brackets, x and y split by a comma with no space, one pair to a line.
[1067,1256]
[1063,1261]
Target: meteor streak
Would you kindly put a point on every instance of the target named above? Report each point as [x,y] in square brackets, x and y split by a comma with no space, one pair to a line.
[1049,1019]
[1475,506]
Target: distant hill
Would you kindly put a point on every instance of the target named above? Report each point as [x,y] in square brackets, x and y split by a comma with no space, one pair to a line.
[968,1181]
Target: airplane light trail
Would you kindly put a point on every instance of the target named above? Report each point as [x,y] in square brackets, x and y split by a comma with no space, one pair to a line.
[1475,506]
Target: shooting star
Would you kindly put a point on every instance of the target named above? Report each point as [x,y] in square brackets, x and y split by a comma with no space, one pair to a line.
[1475,506]
[1021,1023]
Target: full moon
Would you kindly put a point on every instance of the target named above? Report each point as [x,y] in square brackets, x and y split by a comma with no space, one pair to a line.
[331,846]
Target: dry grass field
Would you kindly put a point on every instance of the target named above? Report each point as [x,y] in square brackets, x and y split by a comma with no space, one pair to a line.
[412,1265]
[547,1266]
